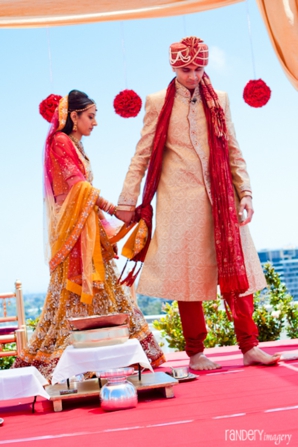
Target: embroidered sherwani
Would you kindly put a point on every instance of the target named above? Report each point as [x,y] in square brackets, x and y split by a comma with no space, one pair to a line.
[181,260]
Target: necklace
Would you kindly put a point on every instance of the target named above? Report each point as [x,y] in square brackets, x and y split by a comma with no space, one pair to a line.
[78,144]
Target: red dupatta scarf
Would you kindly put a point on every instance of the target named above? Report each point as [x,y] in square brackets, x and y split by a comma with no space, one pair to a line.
[75,232]
[230,260]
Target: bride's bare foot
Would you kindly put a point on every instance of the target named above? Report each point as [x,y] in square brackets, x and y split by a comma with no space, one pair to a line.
[199,362]
[256,355]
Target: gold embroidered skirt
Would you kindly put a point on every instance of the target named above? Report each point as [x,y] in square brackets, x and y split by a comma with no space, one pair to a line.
[51,336]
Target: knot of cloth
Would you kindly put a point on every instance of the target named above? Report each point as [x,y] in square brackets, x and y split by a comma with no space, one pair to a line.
[145,213]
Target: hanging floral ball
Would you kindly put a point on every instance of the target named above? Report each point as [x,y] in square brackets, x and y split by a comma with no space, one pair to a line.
[127,104]
[48,106]
[256,93]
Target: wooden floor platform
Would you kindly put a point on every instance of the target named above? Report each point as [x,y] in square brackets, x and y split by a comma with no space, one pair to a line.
[91,387]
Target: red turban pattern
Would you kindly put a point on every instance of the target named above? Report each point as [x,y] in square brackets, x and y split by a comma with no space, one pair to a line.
[190,50]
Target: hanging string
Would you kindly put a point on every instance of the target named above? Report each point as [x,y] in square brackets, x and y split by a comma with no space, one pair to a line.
[184,25]
[256,93]
[250,39]
[123,54]
[127,103]
[50,57]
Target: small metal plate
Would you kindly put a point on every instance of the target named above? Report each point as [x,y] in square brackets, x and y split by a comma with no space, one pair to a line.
[189,378]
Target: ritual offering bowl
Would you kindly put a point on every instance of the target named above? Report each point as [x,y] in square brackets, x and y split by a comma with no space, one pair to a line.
[117,393]
[100,337]
[180,373]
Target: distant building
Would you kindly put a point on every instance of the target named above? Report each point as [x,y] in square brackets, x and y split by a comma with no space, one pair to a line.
[285,262]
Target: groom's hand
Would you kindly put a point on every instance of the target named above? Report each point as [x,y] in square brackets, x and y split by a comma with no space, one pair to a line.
[125,216]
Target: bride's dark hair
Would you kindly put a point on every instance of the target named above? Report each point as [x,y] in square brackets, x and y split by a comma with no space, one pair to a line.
[76,101]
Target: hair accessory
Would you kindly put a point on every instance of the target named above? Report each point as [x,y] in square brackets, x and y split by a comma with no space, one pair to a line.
[82,110]
[127,104]
[48,106]
[62,111]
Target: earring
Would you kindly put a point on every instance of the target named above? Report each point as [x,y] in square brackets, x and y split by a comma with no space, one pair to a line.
[74,127]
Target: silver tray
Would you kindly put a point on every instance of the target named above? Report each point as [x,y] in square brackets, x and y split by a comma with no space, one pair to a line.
[98,321]
[115,372]
[100,337]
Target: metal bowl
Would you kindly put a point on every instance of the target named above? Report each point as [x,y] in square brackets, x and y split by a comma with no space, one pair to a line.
[180,372]
[98,321]
[100,337]
[117,393]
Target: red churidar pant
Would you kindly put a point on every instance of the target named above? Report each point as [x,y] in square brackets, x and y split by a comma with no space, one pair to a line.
[194,327]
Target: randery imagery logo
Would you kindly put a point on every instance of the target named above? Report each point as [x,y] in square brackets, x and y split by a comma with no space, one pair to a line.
[257,435]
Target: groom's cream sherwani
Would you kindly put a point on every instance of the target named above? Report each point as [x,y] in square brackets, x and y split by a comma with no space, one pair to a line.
[181,260]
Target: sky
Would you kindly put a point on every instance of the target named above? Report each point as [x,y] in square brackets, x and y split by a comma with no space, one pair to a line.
[103,59]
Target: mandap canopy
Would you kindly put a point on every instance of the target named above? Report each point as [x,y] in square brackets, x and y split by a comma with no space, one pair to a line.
[280,18]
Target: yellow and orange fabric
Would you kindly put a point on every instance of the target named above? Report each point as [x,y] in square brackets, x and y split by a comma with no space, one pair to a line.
[77,221]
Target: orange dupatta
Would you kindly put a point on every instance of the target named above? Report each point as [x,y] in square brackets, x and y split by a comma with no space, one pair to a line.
[76,219]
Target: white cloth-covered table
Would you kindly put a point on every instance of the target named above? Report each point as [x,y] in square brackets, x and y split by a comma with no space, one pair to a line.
[76,361]
[22,382]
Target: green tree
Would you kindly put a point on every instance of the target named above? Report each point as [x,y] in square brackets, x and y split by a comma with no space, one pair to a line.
[6,362]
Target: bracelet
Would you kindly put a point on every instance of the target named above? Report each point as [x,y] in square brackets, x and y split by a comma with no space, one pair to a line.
[106,206]
[246,194]
[112,210]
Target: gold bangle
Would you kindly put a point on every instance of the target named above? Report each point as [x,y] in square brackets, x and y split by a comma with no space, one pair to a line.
[112,210]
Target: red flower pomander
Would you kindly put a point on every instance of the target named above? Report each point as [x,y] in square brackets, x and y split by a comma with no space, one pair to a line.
[48,106]
[256,93]
[127,104]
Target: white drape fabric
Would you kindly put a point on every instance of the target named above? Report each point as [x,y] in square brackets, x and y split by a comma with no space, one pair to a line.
[22,382]
[281,20]
[75,361]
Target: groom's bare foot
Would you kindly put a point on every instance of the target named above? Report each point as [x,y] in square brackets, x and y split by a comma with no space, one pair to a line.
[199,362]
[256,355]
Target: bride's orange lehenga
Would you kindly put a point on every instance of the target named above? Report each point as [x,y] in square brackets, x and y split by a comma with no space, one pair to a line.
[83,273]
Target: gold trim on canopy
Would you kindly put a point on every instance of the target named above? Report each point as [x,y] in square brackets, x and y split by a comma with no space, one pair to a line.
[36,13]
[280,18]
